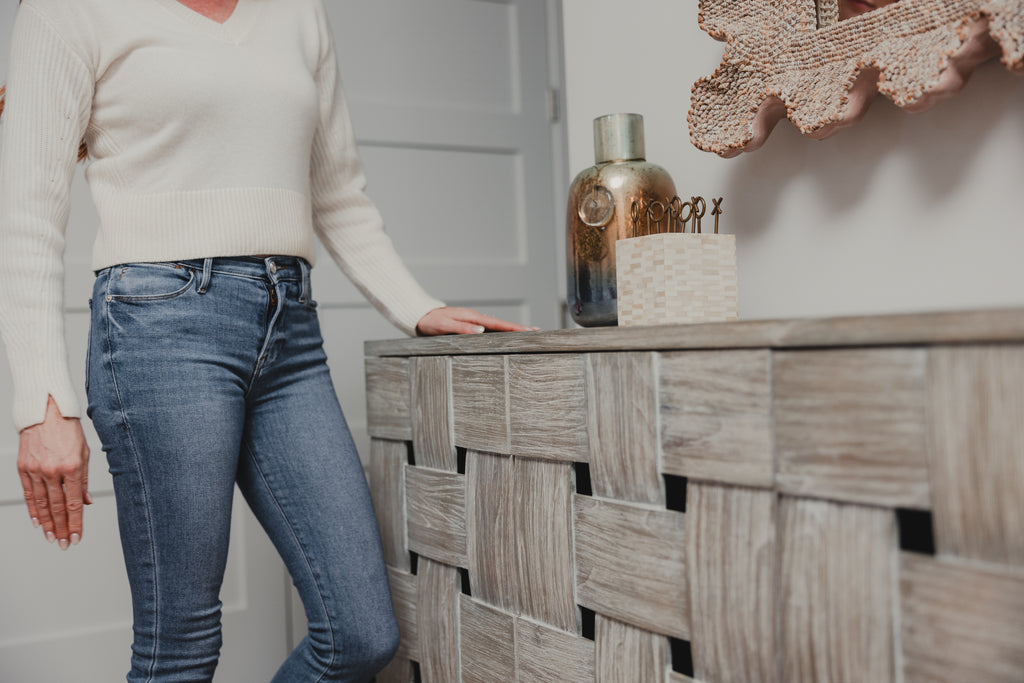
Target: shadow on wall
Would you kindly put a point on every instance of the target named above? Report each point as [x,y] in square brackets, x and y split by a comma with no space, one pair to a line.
[939,148]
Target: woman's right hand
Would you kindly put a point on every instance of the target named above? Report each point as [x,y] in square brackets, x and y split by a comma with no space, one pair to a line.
[53,462]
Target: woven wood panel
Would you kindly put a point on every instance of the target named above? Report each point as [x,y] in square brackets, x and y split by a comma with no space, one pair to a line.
[714,515]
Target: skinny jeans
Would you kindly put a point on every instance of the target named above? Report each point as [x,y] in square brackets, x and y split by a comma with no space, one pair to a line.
[207,374]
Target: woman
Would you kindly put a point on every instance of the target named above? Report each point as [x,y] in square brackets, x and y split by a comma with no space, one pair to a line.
[220,149]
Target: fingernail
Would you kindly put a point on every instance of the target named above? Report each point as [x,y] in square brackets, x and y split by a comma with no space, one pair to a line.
[35,522]
[478,329]
[50,536]
[64,544]
[75,539]
[534,329]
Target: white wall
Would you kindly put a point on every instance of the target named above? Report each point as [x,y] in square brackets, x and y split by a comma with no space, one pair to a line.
[902,212]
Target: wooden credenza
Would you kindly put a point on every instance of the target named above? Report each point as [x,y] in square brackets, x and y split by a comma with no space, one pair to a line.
[836,500]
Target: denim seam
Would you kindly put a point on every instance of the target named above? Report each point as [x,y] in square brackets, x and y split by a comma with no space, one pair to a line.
[268,339]
[305,555]
[142,483]
[143,298]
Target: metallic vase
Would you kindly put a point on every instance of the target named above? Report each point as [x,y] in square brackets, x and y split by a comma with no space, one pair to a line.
[600,201]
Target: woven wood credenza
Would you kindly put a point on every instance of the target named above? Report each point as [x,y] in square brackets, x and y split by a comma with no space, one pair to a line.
[836,500]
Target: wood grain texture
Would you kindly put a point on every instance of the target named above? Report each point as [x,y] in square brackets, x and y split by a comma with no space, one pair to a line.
[850,425]
[961,622]
[388,398]
[716,416]
[674,677]
[803,583]
[399,670]
[404,595]
[493,571]
[488,643]
[622,401]
[547,655]
[548,407]
[432,420]
[480,403]
[611,538]
[437,614]
[836,592]
[976,451]
[543,535]
[436,514]
[730,562]
[627,654]
[956,327]
[913,329]
[387,488]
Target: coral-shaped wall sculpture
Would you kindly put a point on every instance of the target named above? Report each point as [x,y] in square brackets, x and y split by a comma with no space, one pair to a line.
[792,58]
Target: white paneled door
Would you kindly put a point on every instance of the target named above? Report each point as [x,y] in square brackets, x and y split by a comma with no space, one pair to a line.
[455,105]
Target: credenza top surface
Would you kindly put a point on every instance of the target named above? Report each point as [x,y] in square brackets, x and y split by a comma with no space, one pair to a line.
[960,327]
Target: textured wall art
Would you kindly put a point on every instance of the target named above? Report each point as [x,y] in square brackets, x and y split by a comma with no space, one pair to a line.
[796,59]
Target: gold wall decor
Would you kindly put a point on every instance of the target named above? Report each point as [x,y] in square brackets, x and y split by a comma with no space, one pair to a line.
[796,59]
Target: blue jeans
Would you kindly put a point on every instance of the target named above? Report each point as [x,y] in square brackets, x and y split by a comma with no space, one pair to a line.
[211,373]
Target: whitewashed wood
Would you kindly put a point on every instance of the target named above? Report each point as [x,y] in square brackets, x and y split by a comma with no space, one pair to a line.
[399,670]
[437,621]
[674,677]
[543,537]
[480,403]
[388,398]
[630,564]
[548,407]
[976,451]
[493,572]
[432,413]
[836,561]
[547,655]
[850,425]
[835,592]
[627,654]
[436,514]
[387,486]
[716,416]
[622,401]
[730,563]
[961,622]
[404,597]
[879,330]
[487,643]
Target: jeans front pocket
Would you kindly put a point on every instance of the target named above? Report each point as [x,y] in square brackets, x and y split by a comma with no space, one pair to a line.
[142,282]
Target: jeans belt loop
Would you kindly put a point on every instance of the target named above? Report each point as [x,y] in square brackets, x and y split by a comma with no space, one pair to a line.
[304,267]
[204,283]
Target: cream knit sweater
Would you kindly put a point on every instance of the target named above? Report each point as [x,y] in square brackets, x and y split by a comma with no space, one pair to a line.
[205,139]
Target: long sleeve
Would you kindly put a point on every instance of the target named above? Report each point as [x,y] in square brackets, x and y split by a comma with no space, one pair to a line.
[49,95]
[345,219]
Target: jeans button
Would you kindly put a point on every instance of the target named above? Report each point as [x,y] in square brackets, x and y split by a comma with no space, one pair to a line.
[273,267]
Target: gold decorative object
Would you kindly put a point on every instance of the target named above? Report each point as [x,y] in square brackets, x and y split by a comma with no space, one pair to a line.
[606,203]
[793,58]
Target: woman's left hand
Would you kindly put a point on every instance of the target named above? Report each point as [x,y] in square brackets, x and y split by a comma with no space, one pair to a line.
[450,320]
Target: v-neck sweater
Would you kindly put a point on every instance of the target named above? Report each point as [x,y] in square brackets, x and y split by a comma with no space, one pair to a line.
[206,139]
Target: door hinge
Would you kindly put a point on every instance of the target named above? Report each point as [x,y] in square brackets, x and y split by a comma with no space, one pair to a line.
[554,106]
